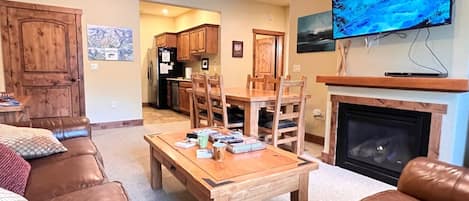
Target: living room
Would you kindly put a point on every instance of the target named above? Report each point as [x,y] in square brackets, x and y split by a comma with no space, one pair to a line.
[350,75]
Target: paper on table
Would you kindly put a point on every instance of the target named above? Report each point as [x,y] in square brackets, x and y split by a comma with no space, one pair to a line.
[164,68]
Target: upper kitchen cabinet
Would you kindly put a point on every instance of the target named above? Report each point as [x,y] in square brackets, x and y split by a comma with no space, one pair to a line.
[166,40]
[204,39]
[183,50]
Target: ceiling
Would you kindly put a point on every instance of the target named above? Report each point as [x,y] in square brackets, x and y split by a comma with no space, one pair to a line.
[276,2]
[157,9]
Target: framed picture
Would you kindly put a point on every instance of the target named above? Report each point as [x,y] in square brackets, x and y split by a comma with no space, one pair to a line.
[237,49]
[204,64]
[315,33]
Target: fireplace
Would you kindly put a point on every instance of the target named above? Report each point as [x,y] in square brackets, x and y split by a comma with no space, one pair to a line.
[378,142]
[392,123]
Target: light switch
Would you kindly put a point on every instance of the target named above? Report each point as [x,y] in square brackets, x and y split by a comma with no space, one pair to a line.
[94,66]
[296,68]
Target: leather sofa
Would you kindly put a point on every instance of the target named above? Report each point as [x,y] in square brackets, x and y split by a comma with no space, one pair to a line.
[428,180]
[75,175]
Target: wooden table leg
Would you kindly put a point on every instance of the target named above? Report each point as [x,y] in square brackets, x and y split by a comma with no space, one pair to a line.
[251,118]
[302,193]
[155,172]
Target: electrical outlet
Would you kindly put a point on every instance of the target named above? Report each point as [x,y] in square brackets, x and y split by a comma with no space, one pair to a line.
[317,113]
[94,66]
[296,68]
[114,104]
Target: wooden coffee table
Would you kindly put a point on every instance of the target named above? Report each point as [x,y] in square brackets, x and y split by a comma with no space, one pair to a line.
[250,176]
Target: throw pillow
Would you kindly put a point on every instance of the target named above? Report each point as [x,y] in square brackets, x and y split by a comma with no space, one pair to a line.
[30,143]
[6,195]
[14,171]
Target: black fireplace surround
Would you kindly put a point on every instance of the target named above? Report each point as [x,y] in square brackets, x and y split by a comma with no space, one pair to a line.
[378,142]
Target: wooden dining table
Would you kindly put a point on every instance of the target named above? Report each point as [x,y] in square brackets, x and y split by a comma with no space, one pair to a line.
[251,100]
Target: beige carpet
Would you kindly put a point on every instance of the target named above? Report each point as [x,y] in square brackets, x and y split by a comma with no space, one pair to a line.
[126,159]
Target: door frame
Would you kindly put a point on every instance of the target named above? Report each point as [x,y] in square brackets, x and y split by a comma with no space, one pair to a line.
[9,80]
[280,50]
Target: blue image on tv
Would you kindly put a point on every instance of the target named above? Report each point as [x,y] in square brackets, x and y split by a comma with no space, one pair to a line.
[358,18]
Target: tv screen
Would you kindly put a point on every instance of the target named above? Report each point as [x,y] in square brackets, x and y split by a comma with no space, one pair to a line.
[353,18]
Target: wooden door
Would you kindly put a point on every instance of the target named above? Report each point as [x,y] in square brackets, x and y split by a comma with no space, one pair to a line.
[44,58]
[265,57]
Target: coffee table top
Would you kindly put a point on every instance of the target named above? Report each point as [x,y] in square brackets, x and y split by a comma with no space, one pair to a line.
[235,167]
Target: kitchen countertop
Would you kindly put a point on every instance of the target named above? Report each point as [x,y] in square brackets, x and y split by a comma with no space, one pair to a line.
[178,79]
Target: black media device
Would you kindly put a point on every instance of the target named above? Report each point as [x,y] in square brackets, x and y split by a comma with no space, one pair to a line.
[403,74]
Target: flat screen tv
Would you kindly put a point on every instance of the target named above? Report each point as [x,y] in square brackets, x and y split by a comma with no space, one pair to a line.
[352,18]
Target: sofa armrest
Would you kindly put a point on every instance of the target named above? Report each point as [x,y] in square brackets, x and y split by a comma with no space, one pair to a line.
[65,127]
[433,180]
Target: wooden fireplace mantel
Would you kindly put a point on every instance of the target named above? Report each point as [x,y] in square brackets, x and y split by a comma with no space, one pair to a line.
[407,83]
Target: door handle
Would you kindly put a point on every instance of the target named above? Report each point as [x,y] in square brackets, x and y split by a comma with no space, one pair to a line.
[75,80]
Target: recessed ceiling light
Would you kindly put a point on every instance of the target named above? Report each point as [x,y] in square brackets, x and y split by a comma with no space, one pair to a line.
[165,11]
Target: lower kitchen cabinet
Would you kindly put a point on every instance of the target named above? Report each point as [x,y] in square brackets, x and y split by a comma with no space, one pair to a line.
[184,106]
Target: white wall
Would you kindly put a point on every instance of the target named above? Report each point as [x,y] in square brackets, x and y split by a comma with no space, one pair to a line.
[114,81]
[238,18]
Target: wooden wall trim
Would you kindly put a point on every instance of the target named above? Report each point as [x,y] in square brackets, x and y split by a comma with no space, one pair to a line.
[5,48]
[15,4]
[398,104]
[267,32]
[437,110]
[117,124]
[314,139]
[81,74]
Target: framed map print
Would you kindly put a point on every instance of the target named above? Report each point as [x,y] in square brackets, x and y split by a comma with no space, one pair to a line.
[110,43]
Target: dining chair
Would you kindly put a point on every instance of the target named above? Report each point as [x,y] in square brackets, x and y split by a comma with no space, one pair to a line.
[255,82]
[221,114]
[200,100]
[286,124]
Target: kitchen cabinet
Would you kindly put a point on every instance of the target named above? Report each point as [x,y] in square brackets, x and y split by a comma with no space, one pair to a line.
[183,51]
[184,106]
[204,40]
[166,40]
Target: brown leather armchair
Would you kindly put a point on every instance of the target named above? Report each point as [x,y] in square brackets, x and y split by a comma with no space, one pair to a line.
[428,180]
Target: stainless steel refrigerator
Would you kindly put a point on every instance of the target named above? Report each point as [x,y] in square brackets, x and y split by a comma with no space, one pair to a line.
[162,64]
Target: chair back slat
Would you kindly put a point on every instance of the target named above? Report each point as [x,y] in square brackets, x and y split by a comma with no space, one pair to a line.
[255,82]
[217,100]
[200,99]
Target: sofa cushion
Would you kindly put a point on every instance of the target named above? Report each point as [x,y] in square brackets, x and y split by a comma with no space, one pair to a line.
[390,195]
[112,191]
[14,171]
[61,177]
[76,146]
[6,195]
[30,142]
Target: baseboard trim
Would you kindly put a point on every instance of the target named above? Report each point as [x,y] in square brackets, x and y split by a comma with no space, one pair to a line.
[314,139]
[145,104]
[117,124]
